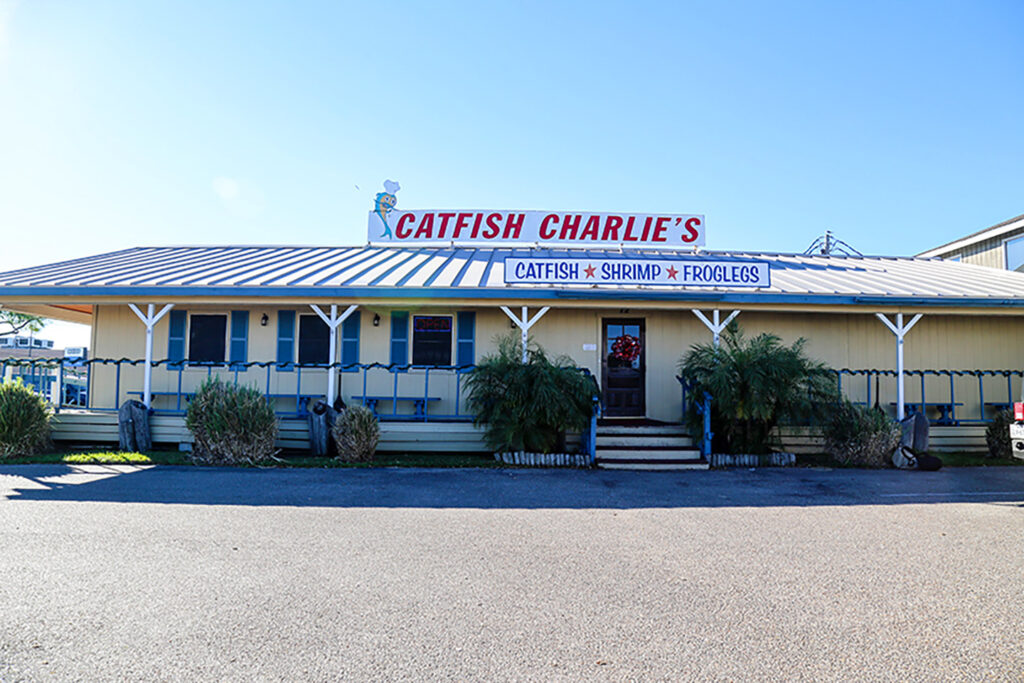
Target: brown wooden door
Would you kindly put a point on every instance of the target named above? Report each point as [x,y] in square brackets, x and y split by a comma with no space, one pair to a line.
[623,367]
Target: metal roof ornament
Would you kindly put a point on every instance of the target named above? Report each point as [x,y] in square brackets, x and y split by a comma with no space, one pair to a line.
[828,244]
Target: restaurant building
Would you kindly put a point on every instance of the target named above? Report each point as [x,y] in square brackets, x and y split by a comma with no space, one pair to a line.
[401,319]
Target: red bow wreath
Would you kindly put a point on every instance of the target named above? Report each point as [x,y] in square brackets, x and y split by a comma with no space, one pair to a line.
[626,349]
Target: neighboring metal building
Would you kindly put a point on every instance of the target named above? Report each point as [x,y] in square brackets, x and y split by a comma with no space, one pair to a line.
[1000,246]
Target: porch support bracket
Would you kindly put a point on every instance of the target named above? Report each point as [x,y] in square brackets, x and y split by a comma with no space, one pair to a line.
[900,330]
[525,323]
[714,325]
[149,320]
[333,321]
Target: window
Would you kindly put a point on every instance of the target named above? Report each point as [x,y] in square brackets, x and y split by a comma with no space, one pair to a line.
[206,338]
[314,340]
[350,341]
[1014,248]
[285,340]
[432,340]
[464,343]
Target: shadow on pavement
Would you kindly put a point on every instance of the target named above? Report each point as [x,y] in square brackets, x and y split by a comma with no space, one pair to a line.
[506,488]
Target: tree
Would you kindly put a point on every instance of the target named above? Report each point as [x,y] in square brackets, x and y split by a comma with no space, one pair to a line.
[755,384]
[13,323]
[528,406]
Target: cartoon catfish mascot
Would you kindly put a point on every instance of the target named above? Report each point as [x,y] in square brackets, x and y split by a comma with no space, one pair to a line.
[384,203]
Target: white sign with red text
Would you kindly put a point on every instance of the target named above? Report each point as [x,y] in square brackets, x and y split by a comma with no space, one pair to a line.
[615,271]
[390,226]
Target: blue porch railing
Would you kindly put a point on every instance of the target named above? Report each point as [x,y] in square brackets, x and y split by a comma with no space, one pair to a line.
[702,404]
[947,397]
[358,382]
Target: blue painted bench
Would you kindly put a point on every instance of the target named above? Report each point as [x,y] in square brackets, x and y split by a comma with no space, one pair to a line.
[419,403]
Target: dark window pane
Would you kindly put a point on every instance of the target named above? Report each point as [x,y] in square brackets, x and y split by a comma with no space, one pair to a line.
[314,339]
[431,340]
[206,337]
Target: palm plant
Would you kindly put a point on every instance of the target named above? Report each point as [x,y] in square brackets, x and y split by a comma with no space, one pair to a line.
[528,406]
[755,384]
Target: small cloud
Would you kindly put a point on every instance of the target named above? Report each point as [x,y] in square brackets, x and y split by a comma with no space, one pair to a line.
[239,198]
[227,188]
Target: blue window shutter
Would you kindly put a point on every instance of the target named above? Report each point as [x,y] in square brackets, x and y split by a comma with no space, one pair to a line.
[400,337]
[286,340]
[239,349]
[465,354]
[176,335]
[350,341]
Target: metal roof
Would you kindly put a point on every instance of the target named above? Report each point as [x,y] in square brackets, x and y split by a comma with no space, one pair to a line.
[464,272]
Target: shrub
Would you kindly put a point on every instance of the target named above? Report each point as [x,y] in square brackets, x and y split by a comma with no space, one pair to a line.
[755,384]
[24,420]
[997,435]
[861,436]
[528,406]
[356,433]
[231,425]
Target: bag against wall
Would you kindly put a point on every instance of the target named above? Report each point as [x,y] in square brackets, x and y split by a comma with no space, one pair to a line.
[903,458]
[928,463]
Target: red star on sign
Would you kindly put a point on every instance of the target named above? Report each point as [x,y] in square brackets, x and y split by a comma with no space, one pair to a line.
[589,270]
[672,272]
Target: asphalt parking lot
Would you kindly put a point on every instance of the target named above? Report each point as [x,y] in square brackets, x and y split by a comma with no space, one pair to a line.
[114,573]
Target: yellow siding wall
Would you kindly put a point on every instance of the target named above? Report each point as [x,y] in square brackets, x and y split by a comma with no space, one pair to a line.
[841,340]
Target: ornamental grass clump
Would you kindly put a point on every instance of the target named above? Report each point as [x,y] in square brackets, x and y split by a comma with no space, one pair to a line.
[860,436]
[231,425]
[356,434]
[528,407]
[24,420]
[997,435]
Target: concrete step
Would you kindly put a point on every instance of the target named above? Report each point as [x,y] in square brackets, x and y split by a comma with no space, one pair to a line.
[660,455]
[630,441]
[644,430]
[695,465]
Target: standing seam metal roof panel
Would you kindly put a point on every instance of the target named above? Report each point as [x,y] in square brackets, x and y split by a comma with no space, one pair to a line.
[251,268]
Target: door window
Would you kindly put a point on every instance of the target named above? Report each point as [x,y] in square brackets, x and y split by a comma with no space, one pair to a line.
[624,346]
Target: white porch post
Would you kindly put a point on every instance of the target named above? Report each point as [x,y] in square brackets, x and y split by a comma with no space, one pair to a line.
[150,321]
[716,327]
[900,330]
[333,321]
[525,323]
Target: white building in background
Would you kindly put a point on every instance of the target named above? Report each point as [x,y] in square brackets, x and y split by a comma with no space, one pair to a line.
[17,341]
[1000,246]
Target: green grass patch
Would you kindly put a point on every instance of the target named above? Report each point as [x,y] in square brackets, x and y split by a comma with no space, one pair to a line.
[406,460]
[948,460]
[976,460]
[102,458]
[285,460]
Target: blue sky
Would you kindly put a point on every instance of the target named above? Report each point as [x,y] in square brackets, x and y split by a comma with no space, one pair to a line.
[896,125]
